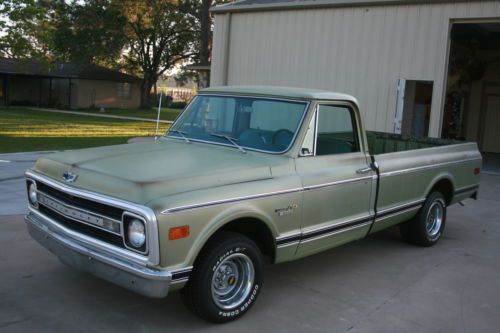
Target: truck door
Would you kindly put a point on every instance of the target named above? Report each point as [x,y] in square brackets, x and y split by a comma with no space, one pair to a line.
[337,179]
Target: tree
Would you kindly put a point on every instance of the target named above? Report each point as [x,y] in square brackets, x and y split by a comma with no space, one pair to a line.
[200,11]
[89,33]
[48,31]
[159,37]
[26,27]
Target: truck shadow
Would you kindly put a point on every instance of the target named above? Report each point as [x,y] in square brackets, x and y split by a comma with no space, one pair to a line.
[326,275]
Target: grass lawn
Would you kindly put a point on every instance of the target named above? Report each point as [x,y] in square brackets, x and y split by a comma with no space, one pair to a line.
[29,130]
[165,114]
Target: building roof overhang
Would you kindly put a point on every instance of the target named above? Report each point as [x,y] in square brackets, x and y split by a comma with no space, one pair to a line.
[40,69]
[274,5]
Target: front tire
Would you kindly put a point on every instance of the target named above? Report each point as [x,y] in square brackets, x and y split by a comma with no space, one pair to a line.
[226,279]
[426,228]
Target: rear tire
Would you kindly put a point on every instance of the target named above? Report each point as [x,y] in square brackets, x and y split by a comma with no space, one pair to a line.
[226,279]
[426,228]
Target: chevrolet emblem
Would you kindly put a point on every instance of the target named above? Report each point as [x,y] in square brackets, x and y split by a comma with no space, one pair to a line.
[69,176]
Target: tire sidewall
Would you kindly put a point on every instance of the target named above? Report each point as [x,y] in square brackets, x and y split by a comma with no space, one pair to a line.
[434,197]
[229,248]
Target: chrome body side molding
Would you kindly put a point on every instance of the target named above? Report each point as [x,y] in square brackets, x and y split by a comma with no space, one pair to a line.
[324,231]
[466,189]
[263,195]
[384,213]
[340,182]
[338,228]
[225,201]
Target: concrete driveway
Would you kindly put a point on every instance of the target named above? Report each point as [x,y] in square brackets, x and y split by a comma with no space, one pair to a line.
[12,188]
[379,284]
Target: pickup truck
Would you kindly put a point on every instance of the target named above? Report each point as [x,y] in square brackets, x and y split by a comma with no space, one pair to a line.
[243,174]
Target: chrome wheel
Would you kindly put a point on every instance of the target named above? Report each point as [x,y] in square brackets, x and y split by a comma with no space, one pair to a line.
[434,218]
[232,281]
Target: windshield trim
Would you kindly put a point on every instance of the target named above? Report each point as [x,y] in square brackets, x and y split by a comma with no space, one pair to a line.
[306,103]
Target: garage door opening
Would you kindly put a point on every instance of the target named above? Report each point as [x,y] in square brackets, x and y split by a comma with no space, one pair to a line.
[472,104]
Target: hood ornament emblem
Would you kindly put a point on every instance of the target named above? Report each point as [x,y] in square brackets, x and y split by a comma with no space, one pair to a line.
[69,176]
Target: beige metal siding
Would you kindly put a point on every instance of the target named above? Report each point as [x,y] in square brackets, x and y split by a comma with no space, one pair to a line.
[219,53]
[359,51]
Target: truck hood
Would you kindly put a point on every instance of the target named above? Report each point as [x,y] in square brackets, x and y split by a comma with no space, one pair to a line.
[142,172]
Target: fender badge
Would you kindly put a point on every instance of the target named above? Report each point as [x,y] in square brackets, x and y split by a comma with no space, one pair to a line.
[287,210]
[69,176]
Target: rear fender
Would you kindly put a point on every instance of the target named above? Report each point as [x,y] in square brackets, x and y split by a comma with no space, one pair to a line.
[443,176]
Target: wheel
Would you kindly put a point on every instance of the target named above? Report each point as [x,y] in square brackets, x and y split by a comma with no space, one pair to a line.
[426,228]
[226,279]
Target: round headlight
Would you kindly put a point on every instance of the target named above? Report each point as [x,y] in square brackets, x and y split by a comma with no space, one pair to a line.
[32,194]
[136,233]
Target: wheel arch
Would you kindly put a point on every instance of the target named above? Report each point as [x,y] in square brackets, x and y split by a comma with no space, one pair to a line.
[445,185]
[252,224]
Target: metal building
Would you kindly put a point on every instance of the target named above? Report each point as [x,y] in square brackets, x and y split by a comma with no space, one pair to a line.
[420,68]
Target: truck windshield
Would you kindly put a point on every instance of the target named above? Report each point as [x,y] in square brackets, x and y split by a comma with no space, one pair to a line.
[244,123]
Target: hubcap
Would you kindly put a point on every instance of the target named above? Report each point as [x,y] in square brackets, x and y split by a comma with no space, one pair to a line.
[232,281]
[434,218]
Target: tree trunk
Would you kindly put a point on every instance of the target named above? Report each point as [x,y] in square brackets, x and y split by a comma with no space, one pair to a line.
[206,32]
[205,41]
[147,83]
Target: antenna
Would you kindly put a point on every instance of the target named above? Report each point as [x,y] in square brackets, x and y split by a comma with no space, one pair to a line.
[158,118]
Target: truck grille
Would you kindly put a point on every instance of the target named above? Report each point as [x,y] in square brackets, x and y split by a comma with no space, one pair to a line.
[101,209]
[81,215]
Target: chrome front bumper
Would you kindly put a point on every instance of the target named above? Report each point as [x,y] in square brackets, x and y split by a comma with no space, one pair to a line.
[140,279]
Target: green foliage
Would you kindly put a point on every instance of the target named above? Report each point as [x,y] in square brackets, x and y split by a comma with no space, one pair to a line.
[26,28]
[159,37]
[89,32]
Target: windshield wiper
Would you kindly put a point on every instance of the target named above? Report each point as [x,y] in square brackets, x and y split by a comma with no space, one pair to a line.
[183,134]
[230,139]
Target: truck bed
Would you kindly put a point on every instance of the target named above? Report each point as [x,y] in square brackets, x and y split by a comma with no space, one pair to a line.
[409,169]
[383,143]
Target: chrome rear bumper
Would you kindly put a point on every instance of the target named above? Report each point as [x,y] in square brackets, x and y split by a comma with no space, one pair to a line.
[140,279]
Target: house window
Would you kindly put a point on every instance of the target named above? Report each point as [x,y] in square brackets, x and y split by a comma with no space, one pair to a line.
[123,90]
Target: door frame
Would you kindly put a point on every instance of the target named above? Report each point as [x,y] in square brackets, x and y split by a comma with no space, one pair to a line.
[483,110]
[451,22]
[358,126]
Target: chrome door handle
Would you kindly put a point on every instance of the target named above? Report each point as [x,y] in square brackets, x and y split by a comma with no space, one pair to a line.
[364,170]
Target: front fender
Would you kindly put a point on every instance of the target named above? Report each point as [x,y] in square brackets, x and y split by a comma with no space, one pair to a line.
[242,211]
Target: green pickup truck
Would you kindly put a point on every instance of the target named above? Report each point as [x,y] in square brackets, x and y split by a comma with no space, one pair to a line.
[243,174]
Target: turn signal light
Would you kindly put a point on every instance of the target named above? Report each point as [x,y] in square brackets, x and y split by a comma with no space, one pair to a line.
[178,232]
[477,171]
